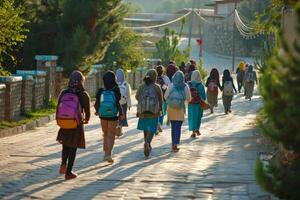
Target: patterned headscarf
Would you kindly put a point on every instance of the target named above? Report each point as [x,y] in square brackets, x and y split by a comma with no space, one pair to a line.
[76,80]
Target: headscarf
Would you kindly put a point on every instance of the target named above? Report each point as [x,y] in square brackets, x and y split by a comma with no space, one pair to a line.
[76,81]
[109,80]
[171,70]
[151,76]
[242,66]
[214,74]
[192,68]
[196,76]
[120,76]
[193,62]
[160,70]
[178,80]
[226,75]
[250,68]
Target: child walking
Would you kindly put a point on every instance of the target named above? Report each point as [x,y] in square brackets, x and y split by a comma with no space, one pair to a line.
[227,88]
[249,81]
[212,84]
[71,136]
[149,107]
[195,111]
[109,110]
[176,95]
[163,81]
[125,100]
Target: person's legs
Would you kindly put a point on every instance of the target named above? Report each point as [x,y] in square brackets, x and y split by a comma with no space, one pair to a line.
[177,132]
[173,132]
[104,125]
[71,159]
[64,158]
[111,132]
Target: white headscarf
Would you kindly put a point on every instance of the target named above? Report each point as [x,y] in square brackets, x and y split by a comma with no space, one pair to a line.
[196,76]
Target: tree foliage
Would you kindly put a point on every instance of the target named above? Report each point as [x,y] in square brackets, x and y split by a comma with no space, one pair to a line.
[280,89]
[12,30]
[79,32]
[124,51]
[167,48]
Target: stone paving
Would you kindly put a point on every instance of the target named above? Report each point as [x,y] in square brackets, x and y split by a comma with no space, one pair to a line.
[217,165]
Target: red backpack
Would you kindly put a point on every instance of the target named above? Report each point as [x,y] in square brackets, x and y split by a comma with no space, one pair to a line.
[196,98]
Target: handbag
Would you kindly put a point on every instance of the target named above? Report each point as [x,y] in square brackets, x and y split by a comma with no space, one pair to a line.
[204,105]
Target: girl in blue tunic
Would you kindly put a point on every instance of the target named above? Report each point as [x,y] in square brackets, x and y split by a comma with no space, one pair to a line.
[195,112]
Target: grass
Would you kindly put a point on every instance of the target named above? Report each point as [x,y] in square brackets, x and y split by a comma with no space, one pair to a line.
[30,116]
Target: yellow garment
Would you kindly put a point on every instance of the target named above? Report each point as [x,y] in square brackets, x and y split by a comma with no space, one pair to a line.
[242,66]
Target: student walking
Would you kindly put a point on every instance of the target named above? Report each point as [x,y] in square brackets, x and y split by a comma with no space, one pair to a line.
[171,70]
[109,110]
[163,81]
[149,107]
[125,100]
[176,95]
[250,80]
[73,110]
[227,88]
[240,75]
[212,84]
[195,111]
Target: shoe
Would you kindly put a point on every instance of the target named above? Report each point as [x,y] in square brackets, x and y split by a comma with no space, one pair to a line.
[63,169]
[70,176]
[175,149]
[198,133]
[147,149]
[193,135]
[157,133]
[229,111]
[159,129]
[108,159]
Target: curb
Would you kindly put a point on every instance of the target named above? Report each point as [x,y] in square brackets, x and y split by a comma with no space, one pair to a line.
[27,127]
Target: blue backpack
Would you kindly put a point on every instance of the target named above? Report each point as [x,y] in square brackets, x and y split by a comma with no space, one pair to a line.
[176,98]
[108,104]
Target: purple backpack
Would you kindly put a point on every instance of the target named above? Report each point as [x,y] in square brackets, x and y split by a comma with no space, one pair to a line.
[68,113]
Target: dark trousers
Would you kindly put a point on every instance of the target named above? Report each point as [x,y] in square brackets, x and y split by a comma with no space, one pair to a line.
[176,131]
[240,85]
[68,155]
[148,137]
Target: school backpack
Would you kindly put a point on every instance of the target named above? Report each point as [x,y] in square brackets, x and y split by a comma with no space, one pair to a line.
[148,101]
[250,77]
[160,81]
[196,98]
[108,104]
[228,88]
[124,92]
[176,98]
[68,113]
[212,86]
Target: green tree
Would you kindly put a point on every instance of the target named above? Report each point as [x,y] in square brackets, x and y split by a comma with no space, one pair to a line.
[124,51]
[12,30]
[279,86]
[79,32]
[167,48]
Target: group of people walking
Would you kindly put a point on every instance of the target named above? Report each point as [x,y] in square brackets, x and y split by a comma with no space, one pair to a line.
[163,92]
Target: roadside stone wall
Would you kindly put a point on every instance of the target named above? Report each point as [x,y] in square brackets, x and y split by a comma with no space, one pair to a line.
[91,85]
[39,93]
[13,93]
[2,101]
[27,94]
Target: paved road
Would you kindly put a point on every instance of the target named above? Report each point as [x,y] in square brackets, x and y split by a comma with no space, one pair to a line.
[218,165]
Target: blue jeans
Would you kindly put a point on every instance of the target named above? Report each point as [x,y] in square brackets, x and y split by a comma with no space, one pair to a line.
[161,120]
[176,131]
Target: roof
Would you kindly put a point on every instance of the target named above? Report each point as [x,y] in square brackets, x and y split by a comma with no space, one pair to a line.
[222,2]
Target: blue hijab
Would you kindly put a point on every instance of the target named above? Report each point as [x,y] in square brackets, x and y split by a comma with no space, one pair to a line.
[120,76]
[178,80]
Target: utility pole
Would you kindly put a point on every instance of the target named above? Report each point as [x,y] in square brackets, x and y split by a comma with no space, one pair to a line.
[199,30]
[191,23]
[233,36]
